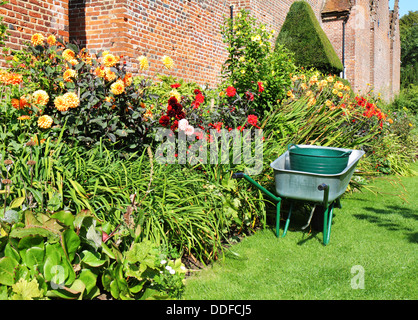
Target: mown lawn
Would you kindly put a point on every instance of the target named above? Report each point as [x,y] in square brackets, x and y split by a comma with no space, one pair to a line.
[374,233]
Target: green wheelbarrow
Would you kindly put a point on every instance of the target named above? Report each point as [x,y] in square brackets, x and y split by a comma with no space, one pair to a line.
[322,189]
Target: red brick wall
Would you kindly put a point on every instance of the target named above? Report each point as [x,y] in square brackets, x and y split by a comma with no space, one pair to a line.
[25,17]
[396,55]
[189,32]
[381,68]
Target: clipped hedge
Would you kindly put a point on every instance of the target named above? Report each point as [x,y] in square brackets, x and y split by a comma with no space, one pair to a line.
[302,35]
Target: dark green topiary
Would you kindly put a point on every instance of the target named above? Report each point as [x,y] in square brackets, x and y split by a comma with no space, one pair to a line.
[302,34]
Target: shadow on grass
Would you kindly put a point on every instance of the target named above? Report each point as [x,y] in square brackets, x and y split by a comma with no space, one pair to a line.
[404,212]
[299,219]
[381,218]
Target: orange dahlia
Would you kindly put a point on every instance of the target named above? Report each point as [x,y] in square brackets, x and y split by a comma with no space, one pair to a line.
[69,74]
[72,100]
[118,87]
[20,103]
[68,54]
[110,60]
[51,40]
[37,39]
[40,97]
[100,72]
[128,79]
[61,104]
[45,122]
[8,78]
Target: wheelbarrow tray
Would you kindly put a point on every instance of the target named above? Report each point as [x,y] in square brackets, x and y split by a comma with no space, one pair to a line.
[301,185]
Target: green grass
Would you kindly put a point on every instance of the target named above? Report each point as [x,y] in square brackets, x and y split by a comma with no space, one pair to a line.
[376,231]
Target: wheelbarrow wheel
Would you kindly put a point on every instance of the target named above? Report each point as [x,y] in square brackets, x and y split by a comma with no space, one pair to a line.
[317,221]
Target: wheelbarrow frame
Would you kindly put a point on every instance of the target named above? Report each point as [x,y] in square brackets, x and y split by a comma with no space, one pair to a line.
[321,189]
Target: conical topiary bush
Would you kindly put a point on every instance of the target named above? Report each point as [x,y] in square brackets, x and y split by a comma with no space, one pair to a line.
[302,35]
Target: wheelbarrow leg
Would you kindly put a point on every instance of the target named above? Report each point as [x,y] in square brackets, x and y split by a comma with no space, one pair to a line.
[327,223]
[278,220]
[327,213]
[288,220]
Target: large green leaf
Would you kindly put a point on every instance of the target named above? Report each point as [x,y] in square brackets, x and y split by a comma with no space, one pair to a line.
[65,217]
[71,242]
[34,257]
[33,231]
[91,258]
[31,250]
[88,278]
[16,203]
[7,270]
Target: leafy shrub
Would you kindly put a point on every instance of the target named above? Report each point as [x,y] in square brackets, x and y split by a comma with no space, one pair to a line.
[302,35]
[253,68]
[406,99]
[93,97]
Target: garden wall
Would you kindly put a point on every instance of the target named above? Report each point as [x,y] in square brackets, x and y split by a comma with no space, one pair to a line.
[189,32]
[24,17]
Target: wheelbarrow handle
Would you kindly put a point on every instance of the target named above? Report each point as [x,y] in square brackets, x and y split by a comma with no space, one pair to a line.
[240,175]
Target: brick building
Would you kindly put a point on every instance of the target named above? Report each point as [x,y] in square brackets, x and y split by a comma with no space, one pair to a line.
[364,33]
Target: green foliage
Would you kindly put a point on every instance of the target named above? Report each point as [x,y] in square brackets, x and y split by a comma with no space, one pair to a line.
[258,73]
[409,48]
[302,35]
[406,99]
[92,98]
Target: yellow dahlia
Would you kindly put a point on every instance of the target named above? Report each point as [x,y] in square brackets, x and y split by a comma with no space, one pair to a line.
[118,87]
[143,63]
[51,40]
[40,97]
[37,39]
[73,62]
[109,75]
[168,62]
[45,122]
[72,99]
[69,74]
[61,104]
[110,60]
[68,54]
